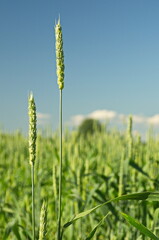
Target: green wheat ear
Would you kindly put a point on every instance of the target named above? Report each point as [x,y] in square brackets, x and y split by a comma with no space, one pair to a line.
[43,222]
[60,80]
[32,152]
[32,129]
[59,55]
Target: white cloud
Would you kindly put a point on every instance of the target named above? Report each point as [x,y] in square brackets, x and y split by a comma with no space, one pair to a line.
[122,117]
[43,118]
[77,119]
[112,115]
[102,114]
[139,119]
[154,120]
[98,115]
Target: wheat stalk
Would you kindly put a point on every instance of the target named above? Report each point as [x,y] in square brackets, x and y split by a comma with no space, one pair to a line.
[32,151]
[60,80]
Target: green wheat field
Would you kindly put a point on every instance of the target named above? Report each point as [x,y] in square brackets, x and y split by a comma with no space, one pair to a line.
[95,169]
[90,183]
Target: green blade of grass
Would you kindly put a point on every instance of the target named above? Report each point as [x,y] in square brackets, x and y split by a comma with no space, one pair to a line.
[148,196]
[139,226]
[91,234]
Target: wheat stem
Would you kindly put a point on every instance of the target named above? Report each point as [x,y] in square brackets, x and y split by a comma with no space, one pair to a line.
[33,202]
[60,80]
[60,171]
[32,152]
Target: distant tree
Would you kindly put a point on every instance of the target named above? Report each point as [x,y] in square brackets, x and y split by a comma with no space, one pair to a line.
[89,127]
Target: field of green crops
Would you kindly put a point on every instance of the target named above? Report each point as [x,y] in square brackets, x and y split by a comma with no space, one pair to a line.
[96,168]
[92,183]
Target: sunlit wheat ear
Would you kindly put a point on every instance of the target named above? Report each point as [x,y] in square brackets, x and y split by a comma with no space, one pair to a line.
[43,222]
[59,55]
[32,129]
[32,152]
[60,80]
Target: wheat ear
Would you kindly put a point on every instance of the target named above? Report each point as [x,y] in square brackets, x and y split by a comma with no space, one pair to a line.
[32,152]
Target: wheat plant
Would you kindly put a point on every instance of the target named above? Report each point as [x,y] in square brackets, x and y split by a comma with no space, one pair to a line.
[104,169]
[60,81]
[32,152]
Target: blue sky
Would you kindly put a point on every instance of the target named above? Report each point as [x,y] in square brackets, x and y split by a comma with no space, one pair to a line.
[111,52]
